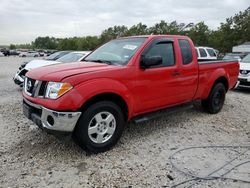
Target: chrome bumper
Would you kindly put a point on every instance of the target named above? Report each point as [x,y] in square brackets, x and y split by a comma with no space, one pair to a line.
[50,119]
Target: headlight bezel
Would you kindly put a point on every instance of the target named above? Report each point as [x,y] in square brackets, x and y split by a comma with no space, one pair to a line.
[55,90]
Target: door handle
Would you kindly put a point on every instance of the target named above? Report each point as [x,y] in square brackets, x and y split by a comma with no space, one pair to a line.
[176,73]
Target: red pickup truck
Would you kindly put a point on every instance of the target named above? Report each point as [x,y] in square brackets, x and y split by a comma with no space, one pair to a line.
[122,80]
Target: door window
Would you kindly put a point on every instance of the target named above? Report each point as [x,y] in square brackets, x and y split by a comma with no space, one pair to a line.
[165,50]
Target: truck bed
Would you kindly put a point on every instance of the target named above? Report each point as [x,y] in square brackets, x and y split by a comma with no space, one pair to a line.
[208,70]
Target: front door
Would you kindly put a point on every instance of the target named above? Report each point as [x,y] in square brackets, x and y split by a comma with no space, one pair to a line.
[158,86]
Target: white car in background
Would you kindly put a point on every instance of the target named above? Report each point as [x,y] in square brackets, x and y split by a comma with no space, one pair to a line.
[29,54]
[1,54]
[244,75]
[69,57]
[206,53]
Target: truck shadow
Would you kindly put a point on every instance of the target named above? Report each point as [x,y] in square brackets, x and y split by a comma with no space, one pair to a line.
[41,142]
[38,143]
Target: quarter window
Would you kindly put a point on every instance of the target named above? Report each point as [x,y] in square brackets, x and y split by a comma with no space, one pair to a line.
[186,52]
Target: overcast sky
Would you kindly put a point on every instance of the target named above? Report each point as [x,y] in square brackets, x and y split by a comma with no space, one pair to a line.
[21,21]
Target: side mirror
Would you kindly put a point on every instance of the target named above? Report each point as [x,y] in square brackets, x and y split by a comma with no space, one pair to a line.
[150,61]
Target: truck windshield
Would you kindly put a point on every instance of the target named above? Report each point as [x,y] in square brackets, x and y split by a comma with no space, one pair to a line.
[118,51]
[246,59]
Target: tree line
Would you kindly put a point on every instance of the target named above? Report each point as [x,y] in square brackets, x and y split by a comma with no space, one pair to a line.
[234,31]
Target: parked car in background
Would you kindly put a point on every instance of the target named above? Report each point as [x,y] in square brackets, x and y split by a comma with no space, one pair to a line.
[41,53]
[52,57]
[1,54]
[29,54]
[49,52]
[244,75]
[206,53]
[123,80]
[234,56]
[67,58]
[14,52]
[5,52]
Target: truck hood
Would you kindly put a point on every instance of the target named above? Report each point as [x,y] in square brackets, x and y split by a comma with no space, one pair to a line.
[39,63]
[60,71]
[244,66]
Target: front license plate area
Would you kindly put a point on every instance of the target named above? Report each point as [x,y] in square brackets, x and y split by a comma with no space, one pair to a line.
[243,80]
[27,111]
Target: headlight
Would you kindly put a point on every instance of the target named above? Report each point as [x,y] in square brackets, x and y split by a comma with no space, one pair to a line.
[56,89]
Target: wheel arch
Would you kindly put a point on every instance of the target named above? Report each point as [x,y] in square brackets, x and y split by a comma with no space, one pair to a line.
[108,96]
[223,80]
[220,79]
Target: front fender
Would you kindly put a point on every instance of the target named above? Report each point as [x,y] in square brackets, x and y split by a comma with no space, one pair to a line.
[98,86]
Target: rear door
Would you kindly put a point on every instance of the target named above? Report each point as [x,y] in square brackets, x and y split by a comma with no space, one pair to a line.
[188,70]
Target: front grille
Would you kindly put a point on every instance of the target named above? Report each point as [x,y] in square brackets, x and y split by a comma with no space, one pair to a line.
[243,83]
[244,72]
[34,88]
[30,86]
[42,89]
[242,80]
[23,72]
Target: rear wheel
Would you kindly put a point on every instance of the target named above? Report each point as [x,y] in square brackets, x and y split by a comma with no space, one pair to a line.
[215,101]
[99,127]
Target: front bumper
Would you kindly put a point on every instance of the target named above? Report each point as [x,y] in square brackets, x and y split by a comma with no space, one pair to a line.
[50,120]
[243,81]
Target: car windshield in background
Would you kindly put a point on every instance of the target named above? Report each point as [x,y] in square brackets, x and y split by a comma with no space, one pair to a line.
[246,59]
[71,57]
[56,55]
[118,51]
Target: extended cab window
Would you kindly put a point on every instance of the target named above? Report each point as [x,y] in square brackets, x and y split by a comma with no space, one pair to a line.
[202,52]
[186,51]
[165,50]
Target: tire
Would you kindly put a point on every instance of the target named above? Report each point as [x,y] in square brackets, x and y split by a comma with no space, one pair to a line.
[215,101]
[95,132]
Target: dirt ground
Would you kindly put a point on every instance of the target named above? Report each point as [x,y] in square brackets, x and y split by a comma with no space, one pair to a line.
[30,157]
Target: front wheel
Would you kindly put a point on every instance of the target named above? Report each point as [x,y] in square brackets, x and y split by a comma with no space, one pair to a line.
[215,101]
[99,127]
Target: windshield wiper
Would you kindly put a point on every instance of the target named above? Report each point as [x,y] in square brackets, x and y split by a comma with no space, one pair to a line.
[100,61]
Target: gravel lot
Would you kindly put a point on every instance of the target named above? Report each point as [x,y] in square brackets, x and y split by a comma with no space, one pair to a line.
[30,157]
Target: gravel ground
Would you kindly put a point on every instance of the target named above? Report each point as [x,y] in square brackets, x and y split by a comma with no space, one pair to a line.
[30,157]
